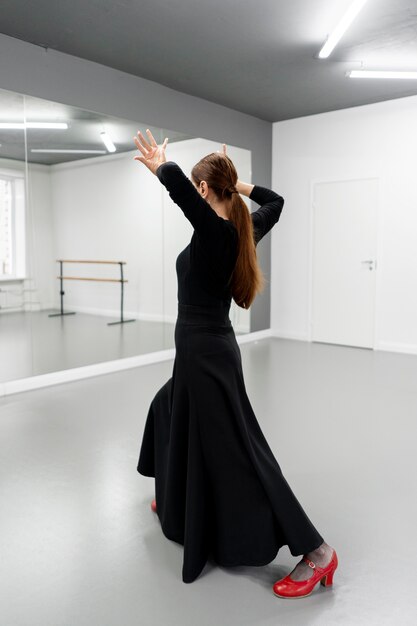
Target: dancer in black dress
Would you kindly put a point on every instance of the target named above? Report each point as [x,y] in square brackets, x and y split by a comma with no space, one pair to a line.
[219,490]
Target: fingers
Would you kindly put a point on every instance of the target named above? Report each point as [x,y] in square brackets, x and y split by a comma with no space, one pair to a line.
[142,144]
[139,145]
[143,141]
[224,148]
[151,138]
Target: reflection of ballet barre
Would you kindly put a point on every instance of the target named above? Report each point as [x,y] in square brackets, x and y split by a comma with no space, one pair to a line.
[120,280]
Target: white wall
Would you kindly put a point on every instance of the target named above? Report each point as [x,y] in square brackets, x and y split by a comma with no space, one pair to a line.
[378,140]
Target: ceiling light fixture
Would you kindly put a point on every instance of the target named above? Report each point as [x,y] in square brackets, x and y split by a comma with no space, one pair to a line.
[381,74]
[341,28]
[22,125]
[107,142]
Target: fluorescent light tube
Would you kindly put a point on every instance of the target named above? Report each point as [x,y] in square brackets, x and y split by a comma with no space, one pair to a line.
[22,125]
[381,74]
[57,125]
[107,142]
[341,28]
[68,151]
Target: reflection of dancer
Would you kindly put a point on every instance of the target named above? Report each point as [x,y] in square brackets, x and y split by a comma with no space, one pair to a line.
[219,489]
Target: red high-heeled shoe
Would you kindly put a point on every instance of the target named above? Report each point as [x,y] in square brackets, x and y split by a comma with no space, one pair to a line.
[153,506]
[289,588]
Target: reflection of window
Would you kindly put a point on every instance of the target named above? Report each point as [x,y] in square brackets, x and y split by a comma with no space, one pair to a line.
[6,233]
[12,224]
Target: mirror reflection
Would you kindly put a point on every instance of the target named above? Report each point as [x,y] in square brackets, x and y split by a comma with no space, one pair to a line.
[88,239]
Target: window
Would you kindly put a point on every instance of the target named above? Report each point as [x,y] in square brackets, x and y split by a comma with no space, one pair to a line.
[6,242]
[12,224]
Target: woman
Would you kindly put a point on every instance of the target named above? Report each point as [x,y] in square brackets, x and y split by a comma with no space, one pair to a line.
[219,490]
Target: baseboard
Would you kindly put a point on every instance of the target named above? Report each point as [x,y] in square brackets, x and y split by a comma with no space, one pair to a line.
[87,371]
[392,346]
[389,346]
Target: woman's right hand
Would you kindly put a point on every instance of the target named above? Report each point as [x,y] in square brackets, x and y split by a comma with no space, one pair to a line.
[153,155]
[245,189]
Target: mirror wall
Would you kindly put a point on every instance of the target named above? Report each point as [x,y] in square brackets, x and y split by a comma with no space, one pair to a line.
[88,238]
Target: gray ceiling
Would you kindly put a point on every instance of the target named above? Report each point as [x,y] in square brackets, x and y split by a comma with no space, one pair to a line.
[255,56]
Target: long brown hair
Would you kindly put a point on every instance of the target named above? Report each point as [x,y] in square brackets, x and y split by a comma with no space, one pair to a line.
[220,174]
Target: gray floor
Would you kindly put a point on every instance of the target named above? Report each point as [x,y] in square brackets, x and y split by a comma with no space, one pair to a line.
[80,545]
[73,341]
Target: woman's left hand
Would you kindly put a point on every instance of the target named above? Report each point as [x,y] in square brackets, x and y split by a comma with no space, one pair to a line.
[153,155]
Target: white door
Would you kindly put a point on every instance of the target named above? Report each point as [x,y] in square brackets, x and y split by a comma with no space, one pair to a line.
[344,262]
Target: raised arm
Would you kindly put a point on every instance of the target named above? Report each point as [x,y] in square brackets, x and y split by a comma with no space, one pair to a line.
[268,213]
[203,218]
[209,226]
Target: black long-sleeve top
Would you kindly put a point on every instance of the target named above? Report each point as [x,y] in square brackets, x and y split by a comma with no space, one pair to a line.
[205,266]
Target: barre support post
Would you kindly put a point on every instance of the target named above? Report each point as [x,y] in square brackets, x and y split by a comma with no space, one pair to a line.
[62,292]
[121,321]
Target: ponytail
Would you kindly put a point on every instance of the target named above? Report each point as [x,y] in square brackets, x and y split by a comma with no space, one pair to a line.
[220,174]
[247,278]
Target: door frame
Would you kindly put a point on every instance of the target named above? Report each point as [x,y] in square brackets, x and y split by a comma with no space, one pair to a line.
[379,249]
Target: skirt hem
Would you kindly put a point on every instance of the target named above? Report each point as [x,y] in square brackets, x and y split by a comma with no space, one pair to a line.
[246,564]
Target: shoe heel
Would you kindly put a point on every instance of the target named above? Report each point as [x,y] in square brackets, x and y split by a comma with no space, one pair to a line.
[327,580]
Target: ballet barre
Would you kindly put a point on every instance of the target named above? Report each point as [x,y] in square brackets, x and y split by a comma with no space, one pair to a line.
[120,280]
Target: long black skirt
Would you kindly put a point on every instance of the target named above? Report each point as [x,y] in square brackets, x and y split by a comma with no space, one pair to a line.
[219,489]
